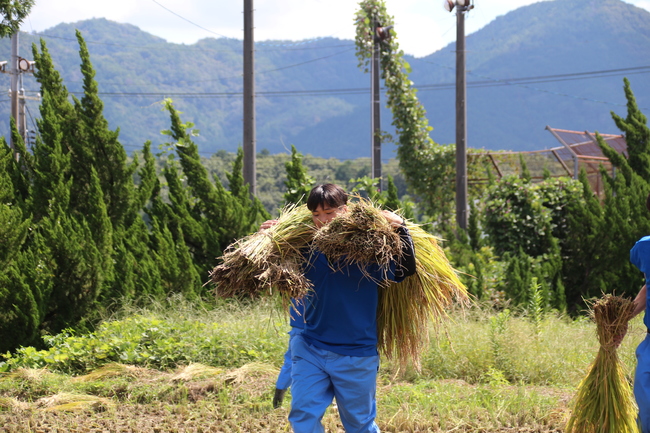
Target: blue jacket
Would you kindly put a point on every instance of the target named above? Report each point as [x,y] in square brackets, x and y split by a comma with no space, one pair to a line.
[341,311]
[640,257]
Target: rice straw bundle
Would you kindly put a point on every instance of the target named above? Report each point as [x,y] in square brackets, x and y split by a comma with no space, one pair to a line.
[604,402]
[405,308]
[361,236]
[267,260]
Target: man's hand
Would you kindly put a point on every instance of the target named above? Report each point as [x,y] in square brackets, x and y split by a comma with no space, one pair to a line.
[393,219]
[268,224]
[618,338]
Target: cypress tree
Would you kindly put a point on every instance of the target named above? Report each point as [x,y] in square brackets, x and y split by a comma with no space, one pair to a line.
[76,273]
[250,208]
[625,216]
[298,182]
[23,274]
[392,201]
[583,256]
[99,147]
[208,216]
[637,134]
[519,276]
[52,172]
[178,273]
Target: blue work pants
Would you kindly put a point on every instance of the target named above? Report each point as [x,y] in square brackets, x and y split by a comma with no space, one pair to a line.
[319,375]
[642,383]
[284,378]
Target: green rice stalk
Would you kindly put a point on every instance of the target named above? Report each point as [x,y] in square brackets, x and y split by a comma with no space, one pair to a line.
[267,260]
[604,402]
[406,308]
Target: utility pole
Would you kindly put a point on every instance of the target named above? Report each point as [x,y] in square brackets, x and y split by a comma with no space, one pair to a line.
[461,110]
[14,84]
[461,122]
[381,34]
[18,65]
[249,100]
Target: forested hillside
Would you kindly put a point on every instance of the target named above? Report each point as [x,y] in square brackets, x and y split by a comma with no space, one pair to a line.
[533,67]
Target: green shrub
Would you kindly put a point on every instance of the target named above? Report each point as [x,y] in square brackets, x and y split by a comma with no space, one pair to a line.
[158,339]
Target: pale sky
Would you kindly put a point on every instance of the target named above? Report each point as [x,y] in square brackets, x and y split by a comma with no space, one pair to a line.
[422,26]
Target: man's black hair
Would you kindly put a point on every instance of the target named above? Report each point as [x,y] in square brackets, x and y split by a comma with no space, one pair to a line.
[327,194]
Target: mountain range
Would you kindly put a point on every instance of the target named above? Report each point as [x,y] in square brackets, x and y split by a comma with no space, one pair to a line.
[559,63]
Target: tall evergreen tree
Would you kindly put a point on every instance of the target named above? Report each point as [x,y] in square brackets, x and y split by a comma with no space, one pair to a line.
[583,257]
[637,134]
[298,182]
[99,148]
[626,218]
[209,216]
[20,317]
[392,201]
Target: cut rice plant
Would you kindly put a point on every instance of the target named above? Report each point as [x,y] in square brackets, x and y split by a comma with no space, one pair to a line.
[268,260]
[111,370]
[362,236]
[196,371]
[604,402]
[72,402]
[406,308]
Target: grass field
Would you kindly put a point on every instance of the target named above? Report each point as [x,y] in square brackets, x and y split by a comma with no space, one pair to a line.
[177,367]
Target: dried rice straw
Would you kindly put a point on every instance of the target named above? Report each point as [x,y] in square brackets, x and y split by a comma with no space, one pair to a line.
[604,402]
[268,260]
[362,236]
[406,308]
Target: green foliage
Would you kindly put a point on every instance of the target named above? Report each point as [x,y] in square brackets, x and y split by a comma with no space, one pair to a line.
[367,187]
[426,165]
[298,182]
[625,217]
[194,210]
[576,245]
[515,217]
[161,340]
[637,134]
[529,225]
[13,13]
[175,333]
[535,305]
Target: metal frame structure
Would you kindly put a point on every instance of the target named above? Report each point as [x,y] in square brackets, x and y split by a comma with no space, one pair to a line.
[579,150]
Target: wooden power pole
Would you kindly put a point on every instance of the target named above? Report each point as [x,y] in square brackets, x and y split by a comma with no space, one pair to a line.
[461,121]
[14,84]
[249,100]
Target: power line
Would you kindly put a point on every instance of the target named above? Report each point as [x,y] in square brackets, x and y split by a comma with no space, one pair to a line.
[162,46]
[365,90]
[185,19]
[304,63]
[290,44]
[232,76]
[178,47]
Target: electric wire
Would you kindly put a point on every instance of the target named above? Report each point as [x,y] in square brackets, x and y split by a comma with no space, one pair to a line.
[185,19]
[492,82]
[170,46]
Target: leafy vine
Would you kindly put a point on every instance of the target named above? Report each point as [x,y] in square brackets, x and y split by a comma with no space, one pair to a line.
[429,168]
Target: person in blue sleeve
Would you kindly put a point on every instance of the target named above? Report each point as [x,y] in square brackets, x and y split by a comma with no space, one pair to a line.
[297,322]
[336,355]
[640,257]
